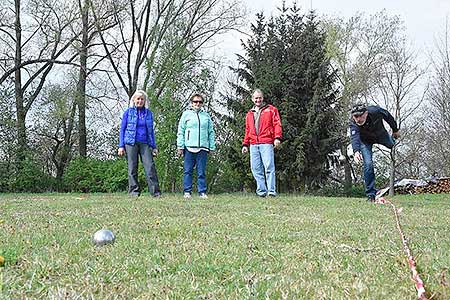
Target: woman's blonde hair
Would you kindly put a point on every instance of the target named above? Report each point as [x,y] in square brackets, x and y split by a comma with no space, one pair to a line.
[139,93]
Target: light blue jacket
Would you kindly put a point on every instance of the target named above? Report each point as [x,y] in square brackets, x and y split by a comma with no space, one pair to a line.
[195,130]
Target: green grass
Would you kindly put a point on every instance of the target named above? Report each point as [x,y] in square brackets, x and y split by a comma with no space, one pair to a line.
[226,247]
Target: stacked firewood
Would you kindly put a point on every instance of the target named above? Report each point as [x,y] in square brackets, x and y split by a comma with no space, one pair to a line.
[436,186]
[406,189]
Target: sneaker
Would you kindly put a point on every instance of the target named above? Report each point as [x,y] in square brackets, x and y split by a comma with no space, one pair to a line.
[203,196]
[371,198]
[187,195]
[272,195]
[157,195]
[261,195]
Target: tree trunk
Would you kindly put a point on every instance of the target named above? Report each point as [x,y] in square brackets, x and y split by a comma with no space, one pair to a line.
[302,184]
[20,108]
[81,86]
[67,144]
[392,171]
[348,181]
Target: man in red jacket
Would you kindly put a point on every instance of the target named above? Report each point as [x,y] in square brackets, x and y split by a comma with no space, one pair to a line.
[262,134]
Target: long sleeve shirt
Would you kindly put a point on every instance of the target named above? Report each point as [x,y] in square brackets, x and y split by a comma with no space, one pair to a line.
[373,129]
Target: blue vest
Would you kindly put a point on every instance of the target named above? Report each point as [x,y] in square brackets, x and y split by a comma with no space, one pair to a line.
[130,131]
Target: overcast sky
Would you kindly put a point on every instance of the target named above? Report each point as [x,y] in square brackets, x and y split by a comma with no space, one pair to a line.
[424,19]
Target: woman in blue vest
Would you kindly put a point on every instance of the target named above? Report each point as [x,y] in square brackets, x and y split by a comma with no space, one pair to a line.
[137,139]
[195,139]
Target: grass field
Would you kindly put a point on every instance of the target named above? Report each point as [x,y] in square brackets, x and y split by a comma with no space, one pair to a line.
[227,247]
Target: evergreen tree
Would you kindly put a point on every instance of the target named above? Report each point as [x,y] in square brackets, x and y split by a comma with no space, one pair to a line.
[285,58]
[309,109]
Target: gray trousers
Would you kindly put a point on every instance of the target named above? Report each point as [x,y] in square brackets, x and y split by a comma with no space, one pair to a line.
[145,153]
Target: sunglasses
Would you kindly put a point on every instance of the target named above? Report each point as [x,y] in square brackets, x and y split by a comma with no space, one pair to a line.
[195,101]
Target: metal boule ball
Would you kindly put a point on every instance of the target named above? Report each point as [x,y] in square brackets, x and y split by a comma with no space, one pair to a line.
[103,237]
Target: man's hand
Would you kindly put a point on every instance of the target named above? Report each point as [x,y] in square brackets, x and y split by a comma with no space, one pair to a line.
[276,143]
[180,152]
[244,149]
[121,151]
[155,152]
[357,157]
[396,134]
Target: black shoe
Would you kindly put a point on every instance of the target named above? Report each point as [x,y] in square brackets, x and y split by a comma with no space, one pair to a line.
[272,195]
[371,198]
[261,195]
[157,195]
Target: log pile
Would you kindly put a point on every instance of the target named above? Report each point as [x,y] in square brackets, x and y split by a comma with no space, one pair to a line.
[435,186]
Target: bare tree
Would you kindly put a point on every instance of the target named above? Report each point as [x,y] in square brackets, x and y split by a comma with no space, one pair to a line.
[81,86]
[53,126]
[183,25]
[90,54]
[437,116]
[37,46]
[402,92]
[7,135]
[357,47]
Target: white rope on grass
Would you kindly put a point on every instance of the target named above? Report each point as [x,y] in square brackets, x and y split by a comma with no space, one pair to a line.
[412,263]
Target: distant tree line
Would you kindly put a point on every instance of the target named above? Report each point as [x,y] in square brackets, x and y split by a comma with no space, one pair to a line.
[69,68]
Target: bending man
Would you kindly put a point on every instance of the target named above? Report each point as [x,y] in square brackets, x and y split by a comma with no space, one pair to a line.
[367,129]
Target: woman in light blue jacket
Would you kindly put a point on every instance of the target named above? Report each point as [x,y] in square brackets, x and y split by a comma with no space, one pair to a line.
[195,139]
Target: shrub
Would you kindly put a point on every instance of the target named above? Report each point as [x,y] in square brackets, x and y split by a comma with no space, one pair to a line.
[82,175]
[4,177]
[29,177]
[88,175]
[116,176]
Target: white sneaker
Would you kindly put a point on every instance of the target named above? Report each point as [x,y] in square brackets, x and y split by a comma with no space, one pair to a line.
[203,196]
[187,195]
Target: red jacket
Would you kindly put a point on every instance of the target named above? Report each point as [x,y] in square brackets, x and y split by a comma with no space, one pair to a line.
[269,126]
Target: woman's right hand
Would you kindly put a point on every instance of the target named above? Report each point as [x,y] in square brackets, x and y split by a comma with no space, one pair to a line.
[180,152]
[121,151]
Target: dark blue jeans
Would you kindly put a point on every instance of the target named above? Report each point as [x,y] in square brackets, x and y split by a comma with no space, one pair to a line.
[145,152]
[367,153]
[192,160]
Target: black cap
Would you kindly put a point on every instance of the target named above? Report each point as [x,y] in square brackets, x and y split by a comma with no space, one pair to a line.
[358,109]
